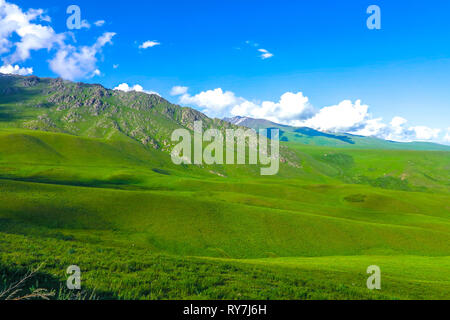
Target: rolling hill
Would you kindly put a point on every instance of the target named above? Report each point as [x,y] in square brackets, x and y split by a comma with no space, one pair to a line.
[86,179]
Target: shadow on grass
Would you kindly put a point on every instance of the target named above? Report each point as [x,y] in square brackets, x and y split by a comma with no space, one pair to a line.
[26,282]
[7,115]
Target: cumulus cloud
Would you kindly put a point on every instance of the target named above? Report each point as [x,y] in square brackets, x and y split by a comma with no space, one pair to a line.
[220,103]
[398,122]
[178,90]
[137,88]
[99,23]
[425,133]
[290,108]
[371,128]
[69,62]
[125,87]
[32,36]
[346,116]
[149,44]
[398,130]
[214,103]
[355,118]
[74,63]
[10,69]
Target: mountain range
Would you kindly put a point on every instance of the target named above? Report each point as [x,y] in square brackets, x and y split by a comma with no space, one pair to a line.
[55,105]
[309,136]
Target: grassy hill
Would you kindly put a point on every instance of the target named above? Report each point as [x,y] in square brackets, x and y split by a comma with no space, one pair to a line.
[56,105]
[140,227]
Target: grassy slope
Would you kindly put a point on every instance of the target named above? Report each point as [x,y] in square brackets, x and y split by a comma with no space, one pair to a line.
[72,200]
[141,273]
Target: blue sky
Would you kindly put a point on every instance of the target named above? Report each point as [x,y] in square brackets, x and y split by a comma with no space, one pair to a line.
[322,50]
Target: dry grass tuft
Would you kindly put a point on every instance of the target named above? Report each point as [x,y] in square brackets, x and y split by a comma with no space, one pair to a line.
[15,290]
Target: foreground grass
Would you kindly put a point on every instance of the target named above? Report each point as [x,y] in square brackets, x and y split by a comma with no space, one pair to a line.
[133,273]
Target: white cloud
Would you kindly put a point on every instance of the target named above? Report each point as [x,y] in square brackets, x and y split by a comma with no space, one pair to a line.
[291,108]
[343,117]
[356,119]
[398,122]
[10,69]
[125,87]
[425,133]
[265,54]
[99,23]
[74,63]
[246,108]
[220,103]
[372,127]
[96,73]
[212,102]
[46,18]
[137,88]
[104,39]
[178,90]
[70,62]
[33,36]
[149,44]
[398,130]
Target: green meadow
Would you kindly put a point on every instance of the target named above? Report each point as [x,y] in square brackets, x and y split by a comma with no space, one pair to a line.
[86,179]
[142,228]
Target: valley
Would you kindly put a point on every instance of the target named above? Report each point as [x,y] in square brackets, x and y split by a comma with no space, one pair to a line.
[86,179]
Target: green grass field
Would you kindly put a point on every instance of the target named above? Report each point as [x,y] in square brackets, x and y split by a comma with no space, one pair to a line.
[140,227]
[86,179]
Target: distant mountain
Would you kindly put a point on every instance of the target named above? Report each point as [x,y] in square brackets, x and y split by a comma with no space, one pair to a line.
[254,123]
[310,136]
